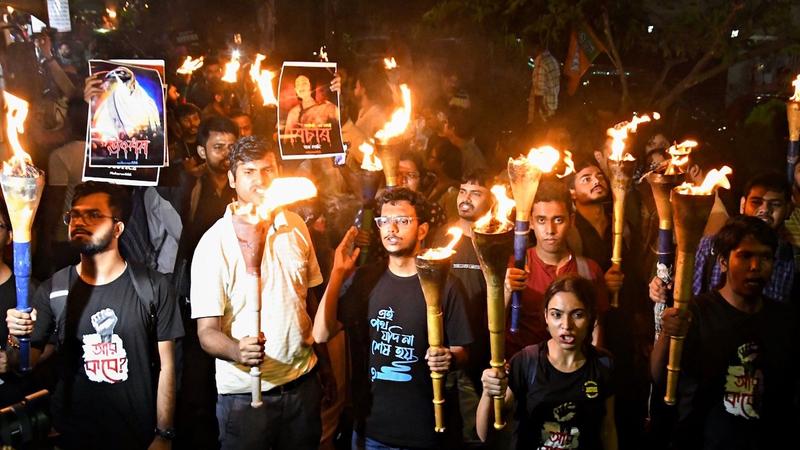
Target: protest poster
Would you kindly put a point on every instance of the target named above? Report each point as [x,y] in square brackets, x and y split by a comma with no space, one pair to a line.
[127,121]
[125,175]
[309,123]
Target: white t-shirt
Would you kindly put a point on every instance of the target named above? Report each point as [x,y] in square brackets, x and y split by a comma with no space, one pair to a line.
[220,289]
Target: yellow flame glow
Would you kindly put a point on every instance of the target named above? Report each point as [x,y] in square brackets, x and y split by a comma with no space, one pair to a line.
[569,165]
[263,79]
[447,251]
[190,65]
[111,13]
[281,192]
[323,54]
[232,68]
[619,133]
[17,111]
[544,158]
[502,208]
[400,118]
[389,63]
[714,179]
[679,156]
[796,84]
[370,162]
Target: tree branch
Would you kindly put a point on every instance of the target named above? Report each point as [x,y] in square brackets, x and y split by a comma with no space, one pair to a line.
[617,61]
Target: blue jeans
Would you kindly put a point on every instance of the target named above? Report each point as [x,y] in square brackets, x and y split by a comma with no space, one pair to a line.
[288,419]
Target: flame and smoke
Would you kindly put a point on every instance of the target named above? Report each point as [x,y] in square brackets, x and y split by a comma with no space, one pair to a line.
[232,68]
[400,118]
[323,54]
[263,79]
[619,133]
[714,179]
[796,84]
[389,63]
[496,220]
[679,157]
[569,166]
[370,162]
[19,165]
[281,192]
[447,251]
[190,65]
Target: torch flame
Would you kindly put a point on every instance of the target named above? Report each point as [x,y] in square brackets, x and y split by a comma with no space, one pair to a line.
[400,118]
[496,220]
[370,162]
[232,68]
[796,84]
[389,63]
[190,65]
[544,158]
[263,79]
[281,192]
[20,162]
[569,165]
[447,251]
[323,54]
[679,154]
[619,133]
[715,178]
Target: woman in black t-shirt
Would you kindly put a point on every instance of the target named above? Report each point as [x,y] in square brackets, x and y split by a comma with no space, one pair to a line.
[561,387]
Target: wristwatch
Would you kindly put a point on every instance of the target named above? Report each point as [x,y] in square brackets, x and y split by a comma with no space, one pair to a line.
[168,434]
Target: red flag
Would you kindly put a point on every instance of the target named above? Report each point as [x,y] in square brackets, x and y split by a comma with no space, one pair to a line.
[584,47]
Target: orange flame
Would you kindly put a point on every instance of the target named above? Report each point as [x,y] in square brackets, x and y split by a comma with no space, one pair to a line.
[796,84]
[399,120]
[569,165]
[370,162]
[544,158]
[281,192]
[500,211]
[190,65]
[447,251]
[679,154]
[232,68]
[20,162]
[263,79]
[389,63]
[619,133]
[715,178]
[323,54]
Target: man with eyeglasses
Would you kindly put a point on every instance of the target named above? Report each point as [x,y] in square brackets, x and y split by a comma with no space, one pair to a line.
[384,313]
[113,326]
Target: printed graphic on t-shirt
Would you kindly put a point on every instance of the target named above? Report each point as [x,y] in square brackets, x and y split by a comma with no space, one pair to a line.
[104,357]
[558,434]
[744,384]
[392,343]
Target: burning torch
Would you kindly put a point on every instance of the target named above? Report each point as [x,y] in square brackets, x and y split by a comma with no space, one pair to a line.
[661,183]
[493,237]
[691,206]
[621,168]
[387,143]
[433,265]
[793,116]
[22,185]
[524,174]
[250,223]
[369,179]
[263,80]
[187,68]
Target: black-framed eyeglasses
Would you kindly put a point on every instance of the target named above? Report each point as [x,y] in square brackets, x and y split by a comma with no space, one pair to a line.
[400,221]
[88,217]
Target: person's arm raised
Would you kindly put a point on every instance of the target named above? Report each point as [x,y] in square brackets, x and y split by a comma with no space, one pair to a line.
[326,324]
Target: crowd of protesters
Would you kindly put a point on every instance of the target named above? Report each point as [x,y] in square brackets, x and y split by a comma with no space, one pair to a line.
[158,273]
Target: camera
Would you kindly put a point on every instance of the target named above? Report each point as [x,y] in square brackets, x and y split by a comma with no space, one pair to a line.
[26,422]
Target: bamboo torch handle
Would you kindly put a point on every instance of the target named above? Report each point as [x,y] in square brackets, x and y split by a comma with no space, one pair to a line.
[682,294]
[435,340]
[255,372]
[616,254]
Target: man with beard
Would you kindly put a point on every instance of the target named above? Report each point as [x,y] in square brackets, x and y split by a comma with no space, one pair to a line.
[206,199]
[183,152]
[282,350]
[551,218]
[112,326]
[384,313]
[738,382]
[767,196]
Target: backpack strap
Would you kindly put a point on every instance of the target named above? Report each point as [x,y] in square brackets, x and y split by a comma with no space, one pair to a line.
[532,353]
[142,279]
[59,291]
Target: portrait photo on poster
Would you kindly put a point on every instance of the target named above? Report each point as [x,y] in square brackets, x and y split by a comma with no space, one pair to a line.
[309,121]
[127,121]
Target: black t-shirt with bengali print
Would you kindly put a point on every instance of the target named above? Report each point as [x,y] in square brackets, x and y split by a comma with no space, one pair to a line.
[557,410]
[400,409]
[105,393]
[739,377]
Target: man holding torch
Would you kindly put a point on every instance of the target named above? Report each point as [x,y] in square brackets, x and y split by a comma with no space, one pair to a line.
[282,351]
[384,313]
[112,324]
[739,369]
